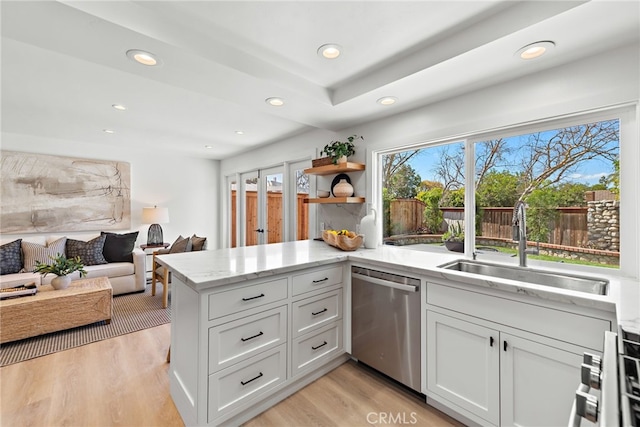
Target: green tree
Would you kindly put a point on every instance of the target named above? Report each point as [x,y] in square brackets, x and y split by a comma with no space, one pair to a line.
[498,189]
[541,213]
[570,194]
[453,198]
[432,214]
[614,178]
[386,208]
[404,183]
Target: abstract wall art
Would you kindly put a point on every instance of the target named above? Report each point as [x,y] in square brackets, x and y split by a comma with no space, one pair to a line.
[43,193]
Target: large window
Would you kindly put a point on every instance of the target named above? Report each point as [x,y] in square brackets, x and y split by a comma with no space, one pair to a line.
[568,177]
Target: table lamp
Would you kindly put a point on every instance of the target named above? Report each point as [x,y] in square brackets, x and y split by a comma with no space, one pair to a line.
[155,216]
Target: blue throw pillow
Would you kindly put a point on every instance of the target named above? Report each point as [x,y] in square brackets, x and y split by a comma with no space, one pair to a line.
[11,257]
[90,252]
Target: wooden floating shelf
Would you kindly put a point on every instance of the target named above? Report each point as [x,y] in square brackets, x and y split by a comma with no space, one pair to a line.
[336,200]
[335,169]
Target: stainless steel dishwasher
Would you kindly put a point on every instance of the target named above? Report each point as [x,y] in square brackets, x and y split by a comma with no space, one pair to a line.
[385,323]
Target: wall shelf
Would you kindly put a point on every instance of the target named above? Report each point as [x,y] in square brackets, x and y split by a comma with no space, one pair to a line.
[336,200]
[335,169]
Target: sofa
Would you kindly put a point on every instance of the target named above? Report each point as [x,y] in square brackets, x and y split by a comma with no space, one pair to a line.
[109,254]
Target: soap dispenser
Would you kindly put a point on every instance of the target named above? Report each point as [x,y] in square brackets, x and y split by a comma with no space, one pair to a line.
[368,228]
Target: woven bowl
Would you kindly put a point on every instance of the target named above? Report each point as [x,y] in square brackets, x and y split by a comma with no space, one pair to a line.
[342,242]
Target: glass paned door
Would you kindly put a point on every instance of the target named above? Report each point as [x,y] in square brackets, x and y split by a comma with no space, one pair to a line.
[249,208]
[272,205]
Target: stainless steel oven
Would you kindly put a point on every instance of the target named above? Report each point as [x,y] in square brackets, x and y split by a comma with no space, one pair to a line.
[609,393]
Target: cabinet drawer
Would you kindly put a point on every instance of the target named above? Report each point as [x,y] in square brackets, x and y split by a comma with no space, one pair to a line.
[233,386]
[223,303]
[317,279]
[234,341]
[316,311]
[317,348]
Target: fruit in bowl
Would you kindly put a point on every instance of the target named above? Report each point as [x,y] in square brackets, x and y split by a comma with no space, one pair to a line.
[342,239]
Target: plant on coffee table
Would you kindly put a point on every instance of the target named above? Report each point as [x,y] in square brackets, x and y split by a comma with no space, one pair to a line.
[61,267]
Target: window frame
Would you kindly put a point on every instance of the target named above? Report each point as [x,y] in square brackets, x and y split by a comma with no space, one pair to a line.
[629,149]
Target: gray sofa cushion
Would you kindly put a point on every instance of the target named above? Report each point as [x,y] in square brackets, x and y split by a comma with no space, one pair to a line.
[182,244]
[90,252]
[119,247]
[11,257]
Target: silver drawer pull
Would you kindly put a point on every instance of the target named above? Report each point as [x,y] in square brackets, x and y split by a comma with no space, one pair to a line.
[252,379]
[321,280]
[250,338]
[250,298]
[319,312]
[321,345]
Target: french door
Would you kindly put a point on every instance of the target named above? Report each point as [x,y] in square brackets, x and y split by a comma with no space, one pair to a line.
[262,194]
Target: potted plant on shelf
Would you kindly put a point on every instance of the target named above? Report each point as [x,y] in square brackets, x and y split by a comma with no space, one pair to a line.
[338,151]
[453,238]
[61,267]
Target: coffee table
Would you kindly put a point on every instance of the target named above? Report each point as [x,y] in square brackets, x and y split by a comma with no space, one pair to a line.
[84,302]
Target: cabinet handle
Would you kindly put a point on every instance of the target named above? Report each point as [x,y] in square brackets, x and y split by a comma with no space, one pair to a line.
[490,341]
[250,338]
[321,345]
[319,312]
[321,280]
[504,345]
[250,298]
[252,379]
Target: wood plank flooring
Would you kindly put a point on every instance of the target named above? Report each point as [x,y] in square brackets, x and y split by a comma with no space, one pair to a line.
[124,382]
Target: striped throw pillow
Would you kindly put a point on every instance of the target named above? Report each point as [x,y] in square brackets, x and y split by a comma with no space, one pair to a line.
[33,252]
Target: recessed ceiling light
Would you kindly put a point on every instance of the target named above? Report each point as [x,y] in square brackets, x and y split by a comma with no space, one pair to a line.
[209,147]
[329,51]
[535,50]
[142,57]
[239,132]
[108,131]
[119,107]
[276,102]
[387,100]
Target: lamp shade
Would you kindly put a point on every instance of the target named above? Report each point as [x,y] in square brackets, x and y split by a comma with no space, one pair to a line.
[155,215]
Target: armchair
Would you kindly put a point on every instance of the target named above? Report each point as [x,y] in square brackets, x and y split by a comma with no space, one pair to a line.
[160,273]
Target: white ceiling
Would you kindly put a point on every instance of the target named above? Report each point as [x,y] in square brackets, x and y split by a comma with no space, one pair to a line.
[64,63]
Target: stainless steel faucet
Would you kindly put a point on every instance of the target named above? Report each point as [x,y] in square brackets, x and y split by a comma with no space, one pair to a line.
[519,227]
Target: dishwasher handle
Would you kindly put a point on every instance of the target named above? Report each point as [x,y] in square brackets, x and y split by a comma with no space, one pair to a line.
[382,282]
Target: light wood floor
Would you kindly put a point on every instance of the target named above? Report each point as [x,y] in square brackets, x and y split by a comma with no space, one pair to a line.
[124,382]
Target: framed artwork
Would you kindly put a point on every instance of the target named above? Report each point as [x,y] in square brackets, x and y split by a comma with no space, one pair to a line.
[43,193]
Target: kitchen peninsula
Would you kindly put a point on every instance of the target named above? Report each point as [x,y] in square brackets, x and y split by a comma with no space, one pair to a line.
[246,328]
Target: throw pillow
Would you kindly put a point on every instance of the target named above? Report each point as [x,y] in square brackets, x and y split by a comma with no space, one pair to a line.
[182,244]
[11,257]
[198,243]
[118,247]
[34,252]
[90,252]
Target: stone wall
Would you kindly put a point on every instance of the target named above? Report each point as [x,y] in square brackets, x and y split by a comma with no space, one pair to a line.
[603,222]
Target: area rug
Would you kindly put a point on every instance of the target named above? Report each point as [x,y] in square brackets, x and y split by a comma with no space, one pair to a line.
[131,313]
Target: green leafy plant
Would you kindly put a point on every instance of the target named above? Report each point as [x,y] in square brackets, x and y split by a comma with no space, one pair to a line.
[337,149]
[455,233]
[61,266]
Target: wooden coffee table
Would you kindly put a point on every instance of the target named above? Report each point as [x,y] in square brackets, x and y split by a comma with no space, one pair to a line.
[84,302]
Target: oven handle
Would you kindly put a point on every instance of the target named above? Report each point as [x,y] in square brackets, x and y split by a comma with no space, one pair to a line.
[381,282]
[575,419]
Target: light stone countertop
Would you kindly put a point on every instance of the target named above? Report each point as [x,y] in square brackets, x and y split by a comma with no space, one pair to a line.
[211,268]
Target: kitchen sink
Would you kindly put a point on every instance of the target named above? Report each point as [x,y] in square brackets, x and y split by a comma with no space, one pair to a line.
[524,274]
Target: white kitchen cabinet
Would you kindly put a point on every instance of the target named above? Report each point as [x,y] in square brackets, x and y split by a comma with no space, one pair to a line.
[463,365]
[502,378]
[239,348]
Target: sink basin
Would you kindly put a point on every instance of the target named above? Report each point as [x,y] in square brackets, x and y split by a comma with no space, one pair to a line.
[528,275]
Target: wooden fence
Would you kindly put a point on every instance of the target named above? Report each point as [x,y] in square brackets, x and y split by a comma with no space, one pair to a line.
[274,218]
[569,229]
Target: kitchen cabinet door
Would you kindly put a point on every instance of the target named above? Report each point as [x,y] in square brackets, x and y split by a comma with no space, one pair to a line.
[538,382]
[463,365]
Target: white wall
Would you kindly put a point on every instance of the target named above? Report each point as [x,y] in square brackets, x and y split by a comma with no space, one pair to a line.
[187,186]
